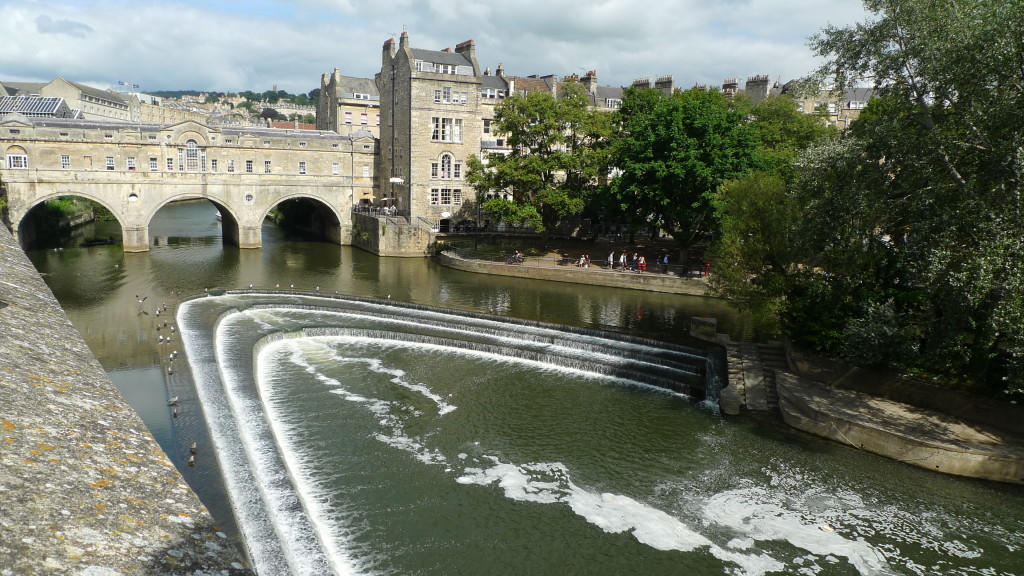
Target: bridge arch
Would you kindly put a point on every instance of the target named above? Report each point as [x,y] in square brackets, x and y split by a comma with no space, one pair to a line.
[25,226]
[323,221]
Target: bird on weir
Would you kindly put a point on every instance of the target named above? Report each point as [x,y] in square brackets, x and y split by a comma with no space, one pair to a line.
[172,401]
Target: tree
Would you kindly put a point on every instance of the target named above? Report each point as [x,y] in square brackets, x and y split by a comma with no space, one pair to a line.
[212,98]
[271,114]
[672,154]
[555,157]
[937,191]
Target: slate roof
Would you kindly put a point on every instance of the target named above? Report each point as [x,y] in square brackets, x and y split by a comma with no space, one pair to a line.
[440,57]
[350,85]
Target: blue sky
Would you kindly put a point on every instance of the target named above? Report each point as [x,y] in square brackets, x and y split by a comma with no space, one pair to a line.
[225,45]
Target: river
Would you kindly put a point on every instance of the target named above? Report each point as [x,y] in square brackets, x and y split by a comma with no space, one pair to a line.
[406,427]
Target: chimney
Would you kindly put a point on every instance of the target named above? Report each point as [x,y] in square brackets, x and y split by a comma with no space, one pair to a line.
[642,83]
[501,70]
[590,81]
[403,41]
[468,47]
[665,84]
[757,87]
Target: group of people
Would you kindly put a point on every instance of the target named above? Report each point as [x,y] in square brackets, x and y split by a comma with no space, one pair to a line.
[636,263]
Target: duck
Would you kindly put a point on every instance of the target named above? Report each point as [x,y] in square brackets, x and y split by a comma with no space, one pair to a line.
[172,401]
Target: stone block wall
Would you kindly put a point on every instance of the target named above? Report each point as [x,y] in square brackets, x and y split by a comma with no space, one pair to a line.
[84,487]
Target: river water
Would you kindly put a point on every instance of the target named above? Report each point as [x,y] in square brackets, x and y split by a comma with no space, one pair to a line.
[430,421]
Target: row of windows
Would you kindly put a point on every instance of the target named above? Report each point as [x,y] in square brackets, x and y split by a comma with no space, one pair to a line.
[448,96]
[446,168]
[446,129]
[20,162]
[445,196]
[364,119]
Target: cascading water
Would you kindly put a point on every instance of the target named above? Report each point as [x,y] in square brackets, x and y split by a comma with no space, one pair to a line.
[360,436]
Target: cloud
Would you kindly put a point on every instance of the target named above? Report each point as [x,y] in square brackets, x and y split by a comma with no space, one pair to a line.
[47,25]
[232,46]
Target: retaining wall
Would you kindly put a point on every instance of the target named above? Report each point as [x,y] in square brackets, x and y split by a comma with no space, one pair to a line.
[84,487]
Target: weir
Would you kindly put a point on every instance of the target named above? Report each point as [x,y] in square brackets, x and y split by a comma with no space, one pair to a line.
[280,518]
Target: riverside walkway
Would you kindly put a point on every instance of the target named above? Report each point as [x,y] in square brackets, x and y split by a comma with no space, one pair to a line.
[84,487]
[552,268]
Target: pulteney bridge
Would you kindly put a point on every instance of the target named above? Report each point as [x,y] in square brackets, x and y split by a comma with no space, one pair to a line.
[133,170]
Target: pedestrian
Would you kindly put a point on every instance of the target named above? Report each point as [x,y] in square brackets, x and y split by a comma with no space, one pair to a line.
[664,263]
[611,260]
[622,261]
[641,265]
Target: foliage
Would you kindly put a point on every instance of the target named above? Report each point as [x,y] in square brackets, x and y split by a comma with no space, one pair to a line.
[673,152]
[271,114]
[918,212]
[555,160]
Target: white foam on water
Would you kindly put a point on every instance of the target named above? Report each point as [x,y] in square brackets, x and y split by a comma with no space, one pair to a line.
[249,510]
[329,533]
[550,483]
[299,541]
[755,512]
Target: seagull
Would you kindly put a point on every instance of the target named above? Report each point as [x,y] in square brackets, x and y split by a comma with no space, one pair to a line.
[250,286]
[172,328]
[192,460]
[277,285]
[161,338]
[193,448]
[170,369]
[174,412]
[172,401]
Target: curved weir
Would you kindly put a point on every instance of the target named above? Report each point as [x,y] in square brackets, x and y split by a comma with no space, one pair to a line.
[360,436]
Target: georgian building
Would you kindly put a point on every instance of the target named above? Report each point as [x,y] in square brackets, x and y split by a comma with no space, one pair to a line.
[348,105]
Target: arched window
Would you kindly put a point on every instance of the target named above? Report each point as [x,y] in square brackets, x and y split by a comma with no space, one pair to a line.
[191,156]
[446,168]
[17,159]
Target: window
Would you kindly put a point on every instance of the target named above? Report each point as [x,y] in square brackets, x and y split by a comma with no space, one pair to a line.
[248,166]
[348,117]
[110,162]
[65,161]
[377,119]
[613,103]
[361,96]
[266,142]
[366,170]
[213,164]
[152,165]
[131,163]
[446,168]
[364,119]
[170,163]
[266,166]
[302,167]
[445,196]
[446,129]
[108,136]
[231,165]
[487,125]
[335,168]
[17,161]
[302,144]
[334,145]
[492,93]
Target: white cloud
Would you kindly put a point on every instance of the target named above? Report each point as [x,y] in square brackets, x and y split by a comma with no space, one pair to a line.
[253,45]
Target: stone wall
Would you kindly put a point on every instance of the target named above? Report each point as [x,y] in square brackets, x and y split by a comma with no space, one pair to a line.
[84,487]
[390,237]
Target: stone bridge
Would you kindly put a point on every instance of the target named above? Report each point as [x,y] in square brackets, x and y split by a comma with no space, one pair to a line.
[134,170]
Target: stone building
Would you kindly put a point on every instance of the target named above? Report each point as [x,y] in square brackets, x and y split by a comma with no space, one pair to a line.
[347,105]
[431,123]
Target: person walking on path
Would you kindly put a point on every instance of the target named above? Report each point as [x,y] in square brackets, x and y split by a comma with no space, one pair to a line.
[622,261]
[611,260]
[641,265]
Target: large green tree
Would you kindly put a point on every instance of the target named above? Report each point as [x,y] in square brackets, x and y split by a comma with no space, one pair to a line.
[555,162]
[910,229]
[672,152]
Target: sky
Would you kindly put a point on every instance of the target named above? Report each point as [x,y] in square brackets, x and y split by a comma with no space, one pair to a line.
[229,46]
